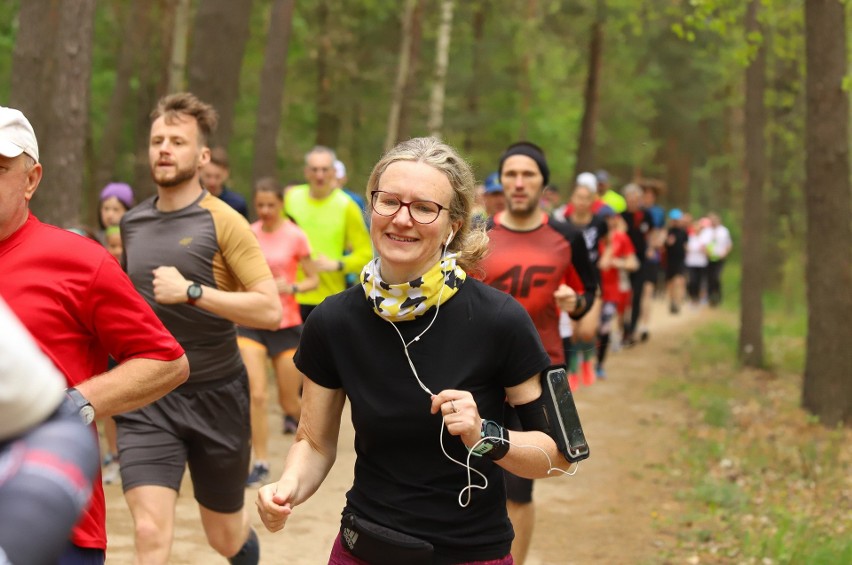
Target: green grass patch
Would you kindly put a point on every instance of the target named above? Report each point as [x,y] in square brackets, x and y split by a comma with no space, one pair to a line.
[758,477]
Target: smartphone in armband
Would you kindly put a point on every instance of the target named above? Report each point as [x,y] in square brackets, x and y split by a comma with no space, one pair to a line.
[562,413]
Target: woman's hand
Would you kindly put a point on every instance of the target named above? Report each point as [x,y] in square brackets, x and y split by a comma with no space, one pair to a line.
[273,504]
[461,416]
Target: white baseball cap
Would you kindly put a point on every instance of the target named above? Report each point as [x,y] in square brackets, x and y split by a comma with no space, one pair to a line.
[589,180]
[339,169]
[16,134]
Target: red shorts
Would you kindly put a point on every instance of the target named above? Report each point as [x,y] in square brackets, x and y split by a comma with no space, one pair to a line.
[623,301]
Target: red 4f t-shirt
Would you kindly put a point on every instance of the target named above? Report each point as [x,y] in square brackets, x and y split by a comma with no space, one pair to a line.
[530,265]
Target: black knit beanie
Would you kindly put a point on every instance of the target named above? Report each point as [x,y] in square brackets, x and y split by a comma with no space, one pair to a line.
[530,150]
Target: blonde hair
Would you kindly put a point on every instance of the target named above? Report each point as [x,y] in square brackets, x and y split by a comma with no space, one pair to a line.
[470,242]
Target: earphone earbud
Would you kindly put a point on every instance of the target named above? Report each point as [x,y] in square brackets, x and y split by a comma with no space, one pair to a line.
[450,238]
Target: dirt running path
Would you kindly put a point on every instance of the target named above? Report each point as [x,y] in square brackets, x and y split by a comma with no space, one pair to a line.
[604,514]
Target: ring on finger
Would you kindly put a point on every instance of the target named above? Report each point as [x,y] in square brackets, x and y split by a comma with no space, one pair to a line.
[455,410]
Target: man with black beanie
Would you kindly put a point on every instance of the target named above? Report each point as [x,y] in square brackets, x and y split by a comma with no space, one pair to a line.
[534,260]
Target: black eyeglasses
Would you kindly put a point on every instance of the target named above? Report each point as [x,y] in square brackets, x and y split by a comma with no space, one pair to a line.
[421,211]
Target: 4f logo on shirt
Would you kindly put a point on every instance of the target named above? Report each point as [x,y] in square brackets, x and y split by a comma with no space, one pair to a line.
[519,282]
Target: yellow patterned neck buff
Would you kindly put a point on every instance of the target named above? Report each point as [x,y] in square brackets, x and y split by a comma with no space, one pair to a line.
[407,301]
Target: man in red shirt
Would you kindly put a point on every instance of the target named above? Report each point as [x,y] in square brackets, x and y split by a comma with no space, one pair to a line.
[80,307]
[531,258]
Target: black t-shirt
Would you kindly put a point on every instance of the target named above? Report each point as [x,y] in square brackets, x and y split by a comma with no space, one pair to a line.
[676,246]
[639,224]
[482,341]
[593,232]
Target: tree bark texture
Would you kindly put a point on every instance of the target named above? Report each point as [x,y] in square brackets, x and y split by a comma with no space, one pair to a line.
[401,75]
[439,80]
[153,79]
[219,40]
[591,96]
[59,196]
[177,60]
[272,83]
[678,171]
[472,98]
[751,293]
[135,30]
[411,82]
[328,122]
[33,64]
[827,386]
[531,23]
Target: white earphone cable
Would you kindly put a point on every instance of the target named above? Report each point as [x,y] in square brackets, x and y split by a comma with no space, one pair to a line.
[470,486]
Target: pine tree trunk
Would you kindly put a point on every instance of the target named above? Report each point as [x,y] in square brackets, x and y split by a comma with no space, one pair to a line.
[34,66]
[135,30]
[328,123]
[472,125]
[401,75]
[586,143]
[58,199]
[751,293]
[153,79]
[272,82]
[827,387]
[439,81]
[218,42]
[177,60]
[411,82]
[525,78]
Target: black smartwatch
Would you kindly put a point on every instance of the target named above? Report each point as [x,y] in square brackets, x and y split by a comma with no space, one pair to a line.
[87,411]
[193,293]
[495,441]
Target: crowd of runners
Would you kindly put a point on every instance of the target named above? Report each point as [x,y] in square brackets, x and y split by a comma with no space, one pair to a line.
[169,318]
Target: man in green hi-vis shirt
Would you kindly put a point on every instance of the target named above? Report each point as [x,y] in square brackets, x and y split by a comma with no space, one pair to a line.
[334,224]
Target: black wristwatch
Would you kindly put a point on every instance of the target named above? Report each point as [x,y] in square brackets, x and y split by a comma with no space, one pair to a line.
[87,411]
[495,441]
[193,293]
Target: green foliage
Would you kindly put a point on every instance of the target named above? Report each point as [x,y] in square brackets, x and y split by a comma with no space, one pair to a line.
[8,31]
[670,77]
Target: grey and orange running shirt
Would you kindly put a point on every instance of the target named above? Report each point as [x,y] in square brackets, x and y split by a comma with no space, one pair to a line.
[210,244]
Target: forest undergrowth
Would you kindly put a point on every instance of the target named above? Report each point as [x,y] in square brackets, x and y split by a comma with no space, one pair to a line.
[761,481]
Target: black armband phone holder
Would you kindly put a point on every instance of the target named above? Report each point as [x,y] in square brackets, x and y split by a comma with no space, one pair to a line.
[555,414]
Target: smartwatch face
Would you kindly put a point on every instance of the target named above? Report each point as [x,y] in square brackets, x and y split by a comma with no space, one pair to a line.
[491,429]
[194,291]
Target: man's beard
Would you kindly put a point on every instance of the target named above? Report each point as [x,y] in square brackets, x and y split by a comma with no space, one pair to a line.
[523,211]
[180,177]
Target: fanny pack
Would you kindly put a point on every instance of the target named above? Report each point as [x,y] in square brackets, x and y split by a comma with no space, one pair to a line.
[379,545]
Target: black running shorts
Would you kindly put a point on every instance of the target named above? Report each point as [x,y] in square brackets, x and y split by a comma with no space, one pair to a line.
[274,342]
[206,427]
[518,489]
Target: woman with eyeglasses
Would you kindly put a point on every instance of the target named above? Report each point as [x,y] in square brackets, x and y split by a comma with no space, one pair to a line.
[428,357]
